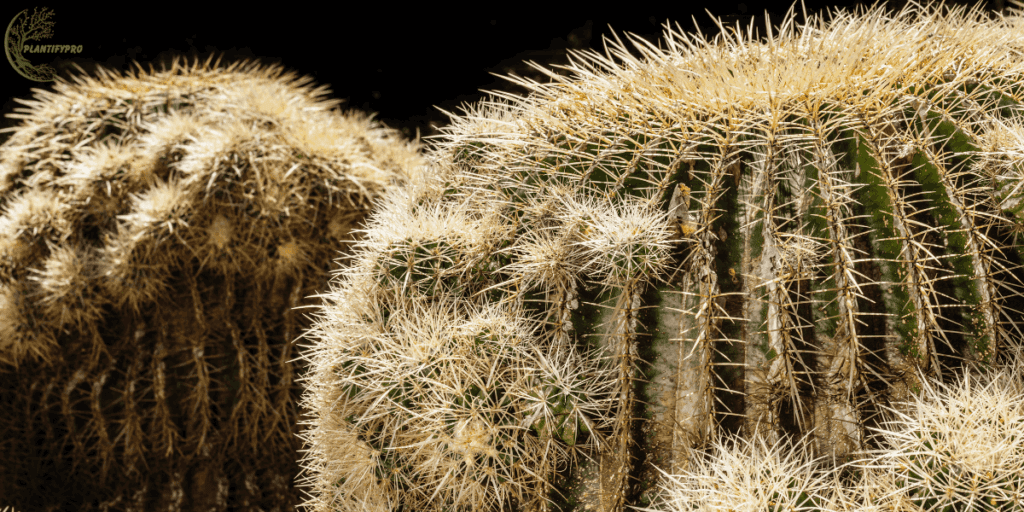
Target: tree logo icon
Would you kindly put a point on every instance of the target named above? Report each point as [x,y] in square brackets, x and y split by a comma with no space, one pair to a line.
[24,28]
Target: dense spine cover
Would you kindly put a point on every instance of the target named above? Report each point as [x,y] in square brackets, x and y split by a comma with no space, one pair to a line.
[773,239]
[158,232]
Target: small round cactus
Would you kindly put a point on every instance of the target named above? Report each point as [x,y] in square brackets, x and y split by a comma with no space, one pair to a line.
[754,477]
[158,230]
[429,402]
[959,449]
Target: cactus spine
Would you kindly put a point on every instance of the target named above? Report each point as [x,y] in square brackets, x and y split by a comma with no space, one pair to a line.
[769,240]
[158,231]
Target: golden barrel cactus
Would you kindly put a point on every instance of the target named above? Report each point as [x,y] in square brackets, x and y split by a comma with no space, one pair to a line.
[158,232]
[763,240]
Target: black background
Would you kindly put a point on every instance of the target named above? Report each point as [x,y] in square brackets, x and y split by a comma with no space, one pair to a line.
[398,62]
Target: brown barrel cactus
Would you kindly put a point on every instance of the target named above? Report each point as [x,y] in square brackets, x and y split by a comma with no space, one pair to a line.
[158,232]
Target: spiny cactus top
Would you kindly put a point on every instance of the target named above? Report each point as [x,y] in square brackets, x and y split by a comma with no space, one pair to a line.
[111,182]
[775,237]
[157,232]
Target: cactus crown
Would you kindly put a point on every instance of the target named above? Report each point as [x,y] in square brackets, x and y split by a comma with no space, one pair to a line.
[111,182]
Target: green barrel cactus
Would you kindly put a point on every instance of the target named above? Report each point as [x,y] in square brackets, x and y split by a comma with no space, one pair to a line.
[756,240]
[158,232]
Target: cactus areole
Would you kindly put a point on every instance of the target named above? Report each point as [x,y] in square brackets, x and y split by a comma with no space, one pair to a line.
[158,232]
[771,237]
